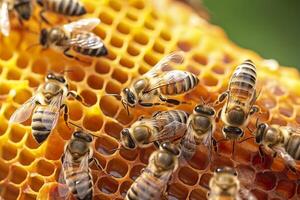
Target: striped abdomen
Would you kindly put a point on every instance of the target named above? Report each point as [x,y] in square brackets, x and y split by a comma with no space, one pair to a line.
[80,182]
[146,187]
[243,82]
[89,44]
[293,146]
[178,82]
[42,121]
[65,7]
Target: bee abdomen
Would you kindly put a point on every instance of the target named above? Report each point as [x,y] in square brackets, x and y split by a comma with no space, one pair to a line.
[42,123]
[243,81]
[96,52]
[145,187]
[180,87]
[66,7]
[293,147]
[171,116]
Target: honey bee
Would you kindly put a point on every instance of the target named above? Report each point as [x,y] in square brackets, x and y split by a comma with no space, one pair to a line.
[200,127]
[76,36]
[46,104]
[225,185]
[282,140]
[163,126]
[241,96]
[64,7]
[75,173]
[152,184]
[23,9]
[158,83]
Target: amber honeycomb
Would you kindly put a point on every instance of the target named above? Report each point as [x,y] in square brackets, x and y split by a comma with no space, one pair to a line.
[137,33]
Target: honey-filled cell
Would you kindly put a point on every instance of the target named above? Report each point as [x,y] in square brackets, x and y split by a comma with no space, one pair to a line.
[137,35]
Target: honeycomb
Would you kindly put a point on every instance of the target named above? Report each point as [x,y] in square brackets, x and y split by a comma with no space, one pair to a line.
[138,33]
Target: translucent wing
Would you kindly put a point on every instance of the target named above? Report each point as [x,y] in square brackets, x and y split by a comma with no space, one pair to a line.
[23,112]
[287,158]
[51,115]
[82,25]
[175,57]
[81,187]
[168,78]
[188,144]
[63,189]
[89,40]
[4,18]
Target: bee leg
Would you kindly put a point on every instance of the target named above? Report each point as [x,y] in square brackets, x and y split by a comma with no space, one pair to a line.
[214,144]
[156,144]
[218,115]
[94,160]
[172,101]
[66,112]
[146,104]
[261,153]
[254,109]
[66,53]
[221,98]
[43,17]
[77,97]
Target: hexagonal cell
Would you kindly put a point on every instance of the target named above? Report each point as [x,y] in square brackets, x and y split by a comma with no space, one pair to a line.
[93,122]
[210,80]
[265,180]
[120,75]
[10,192]
[107,185]
[3,171]
[95,82]
[200,58]
[23,60]
[13,75]
[18,174]
[16,134]
[117,168]
[89,97]
[39,66]
[35,183]
[178,191]
[6,54]
[130,155]
[106,18]
[44,168]
[75,110]
[145,154]
[102,67]
[113,129]
[188,176]
[3,127]
[136,171]
[77,74]
[259,194]
[199,160]
[126,62]
[132,50]
[124,187]
[123,27]
[282,191]
[197,194]
[116,41]
[124,118]
[204,180]
[141,38]
[9,152]
[26,157]
[106,145]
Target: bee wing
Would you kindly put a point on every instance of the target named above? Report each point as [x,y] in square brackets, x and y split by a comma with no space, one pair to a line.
[23,112]
[169,78]
[4,18]
[49,118]
[63,189]
[87,41]
[288,159]
[171,131]
[82,25]
[80,186]
[189,141]
[175,57]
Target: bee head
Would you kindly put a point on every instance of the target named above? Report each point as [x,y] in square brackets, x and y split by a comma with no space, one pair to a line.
[129,97]
[226,170]
[165,158]
[83,136]
[236,116]
[259,132]
[226,179]
[126,139]
[204,110]
[79,144]
[23,9]
[60,79]
[43,37]
[232,132]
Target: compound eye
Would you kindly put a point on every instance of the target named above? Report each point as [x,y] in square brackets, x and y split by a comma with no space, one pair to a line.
[198,109]
[62,80]
[50,76]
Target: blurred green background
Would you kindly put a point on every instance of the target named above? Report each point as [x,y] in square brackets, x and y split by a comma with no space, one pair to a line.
[269,27]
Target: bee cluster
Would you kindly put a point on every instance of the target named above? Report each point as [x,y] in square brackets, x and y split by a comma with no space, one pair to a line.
[176,133]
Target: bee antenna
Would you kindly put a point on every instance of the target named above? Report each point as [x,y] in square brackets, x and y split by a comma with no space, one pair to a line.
[75,125]
[115,149]
[125,105]
[31,46]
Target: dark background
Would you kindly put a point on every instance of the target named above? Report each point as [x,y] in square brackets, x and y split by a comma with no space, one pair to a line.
[269,27]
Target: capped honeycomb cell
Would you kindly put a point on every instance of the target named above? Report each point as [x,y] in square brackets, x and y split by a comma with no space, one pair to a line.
[137,33]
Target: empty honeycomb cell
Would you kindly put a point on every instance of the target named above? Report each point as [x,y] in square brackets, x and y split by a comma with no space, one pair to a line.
[188,176]
[16,134]
[210,80]
[35,183]
[129,155]
[149,25]
[220,161]
[281,189]
[278,121]
[106,18]
[265,180]
[177,191]
[158,47]
[22,96]
[138,4]
[120,75]
[27,196]
[141,38]
[107,185]
[3,172]
[9,151]
[117,6]
[100,31]
[95,82]
[10,192]
[89,97]
[150,59]
[44,168]
[124,187]
[113,129]
[197,194]
[184,45]
[117,168]
[53,152]
[26,157]
[30,142]
[39,66]
[6,54]
[116,41]
[260,194]
[165,35]
[93,122]
[145,154]
[218,69]
[13,75]
[109,106]
[3,127]
[76,74]
[75,110]
[19,174]
[269,102]
[199,161]
[33,82]
[123,117]
[126,62]
[106,145]
[194,69]
[286,111]
[204,180]
[132,50]
[132,16]
[102,67]
[246,174]
[122,27]
[4,89]
[136,171]
[9,111]
[201,59]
